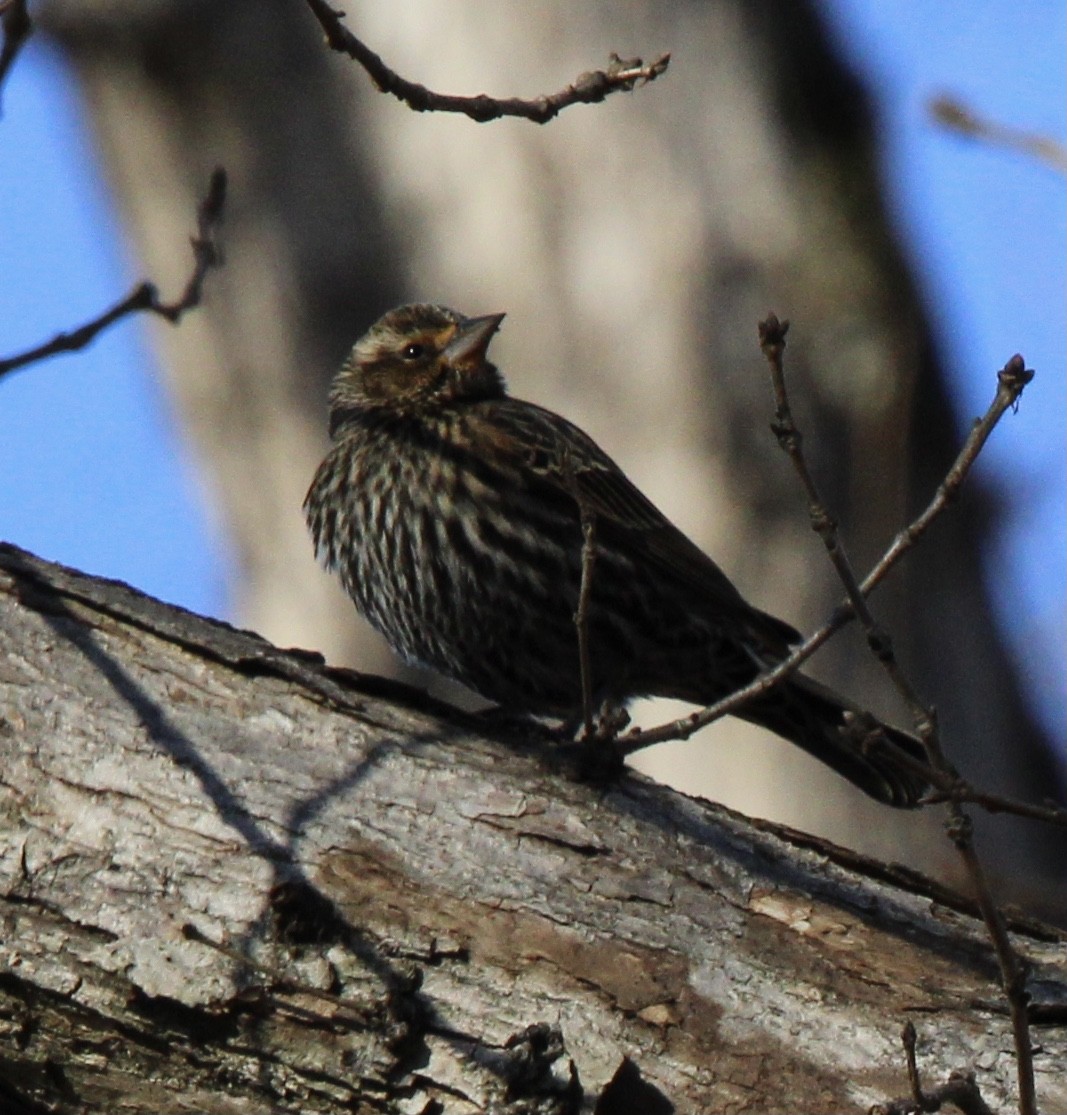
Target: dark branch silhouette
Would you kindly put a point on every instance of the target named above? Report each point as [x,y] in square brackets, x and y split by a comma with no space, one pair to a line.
[145,297]
[16,25]
[959,826]
[1011,381]
[588,88]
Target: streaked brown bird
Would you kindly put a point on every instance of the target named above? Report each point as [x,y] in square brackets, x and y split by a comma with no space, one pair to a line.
[453,514]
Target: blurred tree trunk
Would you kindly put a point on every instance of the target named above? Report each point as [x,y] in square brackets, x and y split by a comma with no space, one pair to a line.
[415,917]
[635,245]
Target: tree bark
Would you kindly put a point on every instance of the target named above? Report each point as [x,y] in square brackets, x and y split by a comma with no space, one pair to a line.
[417,912]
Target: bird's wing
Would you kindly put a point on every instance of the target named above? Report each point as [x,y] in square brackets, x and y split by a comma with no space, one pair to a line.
[567,458]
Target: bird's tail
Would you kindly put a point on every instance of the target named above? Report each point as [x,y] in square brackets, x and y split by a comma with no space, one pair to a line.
[867,752]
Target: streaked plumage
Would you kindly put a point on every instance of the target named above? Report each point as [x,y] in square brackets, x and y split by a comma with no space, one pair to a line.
[452,514]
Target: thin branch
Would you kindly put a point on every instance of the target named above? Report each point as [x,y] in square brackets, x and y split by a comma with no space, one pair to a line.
[16,26]
[948,786]
[588,88]
[581,616]
[772,341]
[686,726]
[955,116]
[144,297]
[587,518]
[909,1037]
[1011,381]
[1012,969]
[959,826]
[966,794]
[960,1090]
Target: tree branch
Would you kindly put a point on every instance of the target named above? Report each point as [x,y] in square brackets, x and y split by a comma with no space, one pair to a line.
[959,827]
[145,297]
[961,1090]
[414,912]
[957,117]
[589,88]
[1010,383]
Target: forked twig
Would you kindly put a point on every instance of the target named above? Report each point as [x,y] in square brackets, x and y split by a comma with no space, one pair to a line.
[772,341]
[1011,381]
[589,88]
[145,297]
[960,1090]
[959,827]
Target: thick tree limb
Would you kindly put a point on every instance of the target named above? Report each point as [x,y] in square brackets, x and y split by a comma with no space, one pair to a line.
[232,879]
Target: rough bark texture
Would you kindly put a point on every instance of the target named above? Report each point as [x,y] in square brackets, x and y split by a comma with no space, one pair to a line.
[416,912]
[635,245]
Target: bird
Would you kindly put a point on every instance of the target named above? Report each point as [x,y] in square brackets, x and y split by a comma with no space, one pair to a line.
[454,514]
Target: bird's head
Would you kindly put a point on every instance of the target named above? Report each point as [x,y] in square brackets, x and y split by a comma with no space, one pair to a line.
[417,357]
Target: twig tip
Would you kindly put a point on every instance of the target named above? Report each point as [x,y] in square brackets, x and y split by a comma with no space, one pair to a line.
[1015,372]
[772,330]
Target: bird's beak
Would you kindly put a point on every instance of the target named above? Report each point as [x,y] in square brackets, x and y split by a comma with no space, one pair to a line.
[472,338]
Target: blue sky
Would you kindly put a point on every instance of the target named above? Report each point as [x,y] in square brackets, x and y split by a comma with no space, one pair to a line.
[987,231]
[95,473]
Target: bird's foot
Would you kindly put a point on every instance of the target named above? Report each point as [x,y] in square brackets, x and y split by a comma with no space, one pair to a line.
[609,721]
[595,756]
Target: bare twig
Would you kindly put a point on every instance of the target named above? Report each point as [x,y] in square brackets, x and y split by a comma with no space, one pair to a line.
[588,88]
[1011,381]
[948,786]
[144,297]
[587,517]
[909,1037]
[686,726]
[772,341]
[966,794]
[16,26]
[955,116]
[581,616]
[959,828]
[1012,969]
[960,1090]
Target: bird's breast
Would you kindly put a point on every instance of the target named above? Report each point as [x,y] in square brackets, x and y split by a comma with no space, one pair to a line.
[436,537]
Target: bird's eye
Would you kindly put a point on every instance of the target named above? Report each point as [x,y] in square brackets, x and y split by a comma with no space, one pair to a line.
[414,351]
